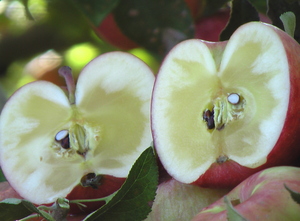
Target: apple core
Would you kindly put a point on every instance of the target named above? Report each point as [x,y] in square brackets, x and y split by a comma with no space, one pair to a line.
[224,110]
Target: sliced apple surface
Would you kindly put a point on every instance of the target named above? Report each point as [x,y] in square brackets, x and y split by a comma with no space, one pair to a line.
[49,140]
[222,110]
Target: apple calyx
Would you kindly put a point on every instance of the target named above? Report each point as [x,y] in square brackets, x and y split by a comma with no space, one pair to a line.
[92,180]
[225,110]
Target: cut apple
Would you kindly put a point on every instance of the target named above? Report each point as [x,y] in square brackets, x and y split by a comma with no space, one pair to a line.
[224,110]
[50,141]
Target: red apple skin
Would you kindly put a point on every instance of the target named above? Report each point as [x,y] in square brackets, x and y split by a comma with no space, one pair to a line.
[110,32]
[196,7]
[210,27]
[6,191]
[286,151]
[262,197]
[109,185]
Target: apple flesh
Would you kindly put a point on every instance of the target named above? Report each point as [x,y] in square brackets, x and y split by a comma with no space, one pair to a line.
[179,201]
[222,111]
[260,197]
[50,141]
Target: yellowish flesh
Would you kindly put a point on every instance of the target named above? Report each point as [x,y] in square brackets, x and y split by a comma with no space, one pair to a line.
[253,65]
[111,110]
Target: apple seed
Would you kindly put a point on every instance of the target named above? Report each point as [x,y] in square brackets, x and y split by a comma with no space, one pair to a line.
[62,137]
[225,110]
[208,117]
[233,98]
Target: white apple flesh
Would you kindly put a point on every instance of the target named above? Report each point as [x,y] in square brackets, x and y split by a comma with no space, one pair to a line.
[260,197]
[223,110]
[49,142]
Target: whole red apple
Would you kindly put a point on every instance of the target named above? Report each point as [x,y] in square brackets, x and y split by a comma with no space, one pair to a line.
[260,197]
[222,111]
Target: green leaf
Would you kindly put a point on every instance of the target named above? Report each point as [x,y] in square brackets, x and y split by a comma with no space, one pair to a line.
[2,177]
[13,209]
[157,25]
[242,11]
[33,209]
[95,10]
[260,5]
[289,22]
[132,202]
[295,195]
[278,7]
[232,214]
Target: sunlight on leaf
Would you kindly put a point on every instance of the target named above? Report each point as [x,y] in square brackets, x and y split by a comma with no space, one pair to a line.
[289,22]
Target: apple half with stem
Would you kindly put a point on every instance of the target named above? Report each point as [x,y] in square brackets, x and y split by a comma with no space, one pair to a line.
[223,110]
[262,196]
[53,140]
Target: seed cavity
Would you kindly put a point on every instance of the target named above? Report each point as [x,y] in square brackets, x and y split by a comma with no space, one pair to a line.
[91,180]
[62,137]
[224,110]
[208,116]
[233,98]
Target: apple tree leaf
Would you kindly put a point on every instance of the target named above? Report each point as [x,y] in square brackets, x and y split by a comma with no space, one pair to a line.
[156,25]
[295,195]
[278,7]
[2,177]
[289,22]
[133,201]
[242,11]
[260,5]
[232,214]
[95,10]
[14,209]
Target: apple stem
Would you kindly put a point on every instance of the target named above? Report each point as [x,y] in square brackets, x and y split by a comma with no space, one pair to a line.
[66,72]
[106,199]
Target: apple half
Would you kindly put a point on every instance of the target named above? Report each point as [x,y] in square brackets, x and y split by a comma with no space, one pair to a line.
[223,110]
[50,142]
